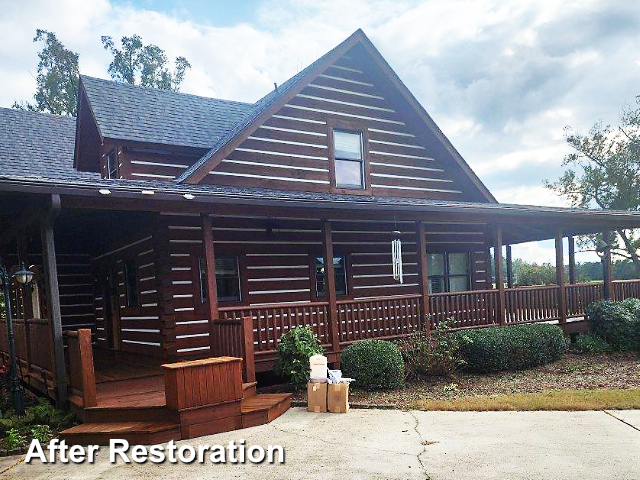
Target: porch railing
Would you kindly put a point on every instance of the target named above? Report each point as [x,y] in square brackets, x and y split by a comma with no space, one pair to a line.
[531,304]
[234,337]
[467,309]
[382,317]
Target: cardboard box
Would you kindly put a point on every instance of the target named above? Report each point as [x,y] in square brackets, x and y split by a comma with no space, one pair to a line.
[316,397]
[338,397]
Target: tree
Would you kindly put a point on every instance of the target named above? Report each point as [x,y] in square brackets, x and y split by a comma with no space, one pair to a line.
[604,173]
[57,80]
[146,63]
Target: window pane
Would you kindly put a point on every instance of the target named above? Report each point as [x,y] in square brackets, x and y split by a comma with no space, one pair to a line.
[347,145]
[436,284]
[204,292]
[339,272]
[131,284]
[435,264]
[458,263]
[458,284]
[349,173]
[112,167]
[227,279]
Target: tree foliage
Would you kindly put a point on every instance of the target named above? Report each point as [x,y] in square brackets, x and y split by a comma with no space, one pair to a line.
[147,65]
[57,80]
[604,172]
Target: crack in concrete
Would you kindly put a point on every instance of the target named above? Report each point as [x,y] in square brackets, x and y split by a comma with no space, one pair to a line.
[423,442]
[621,420]
[18,462]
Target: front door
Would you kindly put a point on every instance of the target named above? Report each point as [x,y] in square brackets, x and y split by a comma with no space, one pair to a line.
[111,310]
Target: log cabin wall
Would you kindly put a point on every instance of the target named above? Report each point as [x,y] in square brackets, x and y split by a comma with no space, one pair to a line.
[138,327]
[276,260]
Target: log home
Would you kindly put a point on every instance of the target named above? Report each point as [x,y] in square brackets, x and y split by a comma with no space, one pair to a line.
[165,227]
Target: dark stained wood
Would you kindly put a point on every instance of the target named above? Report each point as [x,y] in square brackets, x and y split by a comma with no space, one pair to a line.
[501,311]
[81,371]
[330,284]
[560,278]
[509,267]
[423,275]
[606,267]
[212,290]
[572,260]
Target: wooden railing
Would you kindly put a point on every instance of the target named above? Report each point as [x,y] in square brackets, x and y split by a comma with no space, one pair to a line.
[235,338]
[626,289]
[80,373]
[531,304]
[581,295]
[467,309]
[382,317]
[271,321]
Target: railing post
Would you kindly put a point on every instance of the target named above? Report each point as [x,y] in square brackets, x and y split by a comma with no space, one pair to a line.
[249,354]
[212,289]
[501,307]
[572,259]
[607,286]
[330,284]
[86,368]
[423,276]
[509,268]
[560,281]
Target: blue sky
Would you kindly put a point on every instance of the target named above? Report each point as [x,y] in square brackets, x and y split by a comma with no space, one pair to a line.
[502,78]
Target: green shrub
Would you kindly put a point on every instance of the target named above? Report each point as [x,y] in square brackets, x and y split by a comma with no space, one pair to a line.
[512,347]
[374,364]
[14,439]
[590,343]
[294,349]
[615,322]
[42,433]
[46,414]
[432,353]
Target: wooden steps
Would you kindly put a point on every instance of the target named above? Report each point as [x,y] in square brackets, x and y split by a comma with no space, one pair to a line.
[249,389]
[264,408]
[136,433]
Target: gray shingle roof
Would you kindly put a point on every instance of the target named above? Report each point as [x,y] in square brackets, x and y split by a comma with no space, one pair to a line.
[145,114]
[38,146]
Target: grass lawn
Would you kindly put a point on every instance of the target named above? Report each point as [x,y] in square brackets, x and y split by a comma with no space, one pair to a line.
[575,382]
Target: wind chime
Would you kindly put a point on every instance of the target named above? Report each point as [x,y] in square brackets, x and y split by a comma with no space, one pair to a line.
[396,256]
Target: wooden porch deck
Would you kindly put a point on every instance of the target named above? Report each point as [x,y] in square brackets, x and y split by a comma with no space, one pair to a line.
[130,403]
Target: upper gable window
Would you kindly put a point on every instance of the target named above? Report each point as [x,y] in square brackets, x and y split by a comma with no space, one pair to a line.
[112,165]
[348,158]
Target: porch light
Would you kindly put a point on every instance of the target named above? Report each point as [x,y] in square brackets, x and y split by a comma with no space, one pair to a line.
[104,191]
[23,276]
[189,196]
[148,192]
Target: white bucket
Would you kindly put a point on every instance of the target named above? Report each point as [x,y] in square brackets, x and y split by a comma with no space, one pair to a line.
[318,367]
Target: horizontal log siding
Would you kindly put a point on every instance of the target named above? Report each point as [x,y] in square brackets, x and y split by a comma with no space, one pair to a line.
[140,327]
[291,149]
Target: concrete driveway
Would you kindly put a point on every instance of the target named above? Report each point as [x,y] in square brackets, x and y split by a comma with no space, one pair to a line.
[391,444]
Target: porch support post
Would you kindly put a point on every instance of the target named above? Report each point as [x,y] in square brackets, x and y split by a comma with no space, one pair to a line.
[423,276]
[560,280]
[330,284]
[212,289]
[572,259]
[53,300]
[509,268]
[501,307]
[607,285]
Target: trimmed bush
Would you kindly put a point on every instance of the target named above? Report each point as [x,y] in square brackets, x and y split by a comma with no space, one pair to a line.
[615,322]
[432,353]
[374,364]
[513,347]
[294,349]
[590,343]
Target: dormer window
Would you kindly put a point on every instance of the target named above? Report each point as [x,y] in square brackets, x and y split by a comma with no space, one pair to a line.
[348,159]
[112,165]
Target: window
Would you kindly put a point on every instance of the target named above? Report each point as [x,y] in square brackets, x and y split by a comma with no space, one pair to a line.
[227,279]
[132,294]
[339,272]
[448,272]
[348,159]
[112,165]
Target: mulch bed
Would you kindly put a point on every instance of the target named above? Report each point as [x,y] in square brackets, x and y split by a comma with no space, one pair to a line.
[613,370]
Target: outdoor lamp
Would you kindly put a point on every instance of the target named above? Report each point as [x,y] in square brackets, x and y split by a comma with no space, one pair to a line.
[23,276]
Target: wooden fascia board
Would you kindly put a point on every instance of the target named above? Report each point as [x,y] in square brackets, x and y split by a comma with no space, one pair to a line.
[426,118]
[230,146]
